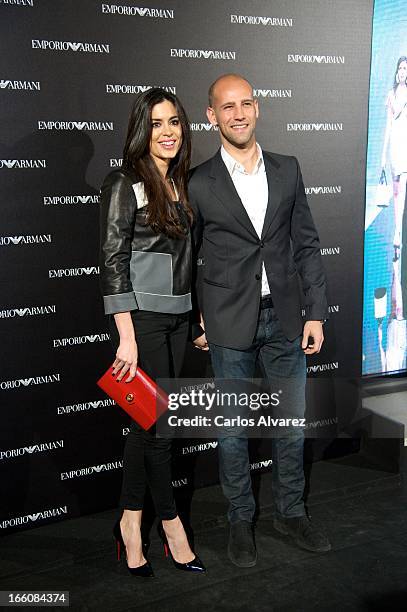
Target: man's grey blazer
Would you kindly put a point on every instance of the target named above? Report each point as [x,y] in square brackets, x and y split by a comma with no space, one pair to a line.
[233,252]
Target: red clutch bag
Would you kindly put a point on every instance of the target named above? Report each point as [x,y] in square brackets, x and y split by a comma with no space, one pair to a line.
[141,398]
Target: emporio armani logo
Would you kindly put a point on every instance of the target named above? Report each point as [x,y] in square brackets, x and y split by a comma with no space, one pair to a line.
[203,54]
[283,22]
[27,382]
[18,2]
[137,11]
[136,89]
[28,311]
[85,406]
[33,448]
[203,127]
[181,482]
[314,127]
[67,272]
[333,308]
[20,85]
[115,162]
[34,517]
[198,386]
[272,93]
[324,190]
[323,367]
[29,239]
[89,126]
[62,342]
[71,199]
[22,163]
[198,448]
[63,45]
[258,465]
[322,423]
[336,250]
[93,469]
[315,59]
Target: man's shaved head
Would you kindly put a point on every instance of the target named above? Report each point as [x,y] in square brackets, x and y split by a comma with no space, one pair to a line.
[231,76]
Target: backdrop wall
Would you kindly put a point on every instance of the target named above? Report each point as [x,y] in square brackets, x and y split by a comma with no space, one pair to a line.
[68,74]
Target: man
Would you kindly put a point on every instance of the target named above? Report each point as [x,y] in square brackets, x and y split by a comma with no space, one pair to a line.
[258,239]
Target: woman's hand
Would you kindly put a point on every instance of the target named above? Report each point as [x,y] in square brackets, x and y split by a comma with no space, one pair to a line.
[127,353]
[126,359]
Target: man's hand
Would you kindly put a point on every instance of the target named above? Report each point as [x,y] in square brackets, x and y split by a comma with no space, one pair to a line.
[201,342]
[312,338]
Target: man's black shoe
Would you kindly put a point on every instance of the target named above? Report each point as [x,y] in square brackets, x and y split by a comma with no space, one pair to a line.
[304,534]
[242,550]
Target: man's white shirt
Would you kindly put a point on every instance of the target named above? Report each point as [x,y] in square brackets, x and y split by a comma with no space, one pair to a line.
[253,191]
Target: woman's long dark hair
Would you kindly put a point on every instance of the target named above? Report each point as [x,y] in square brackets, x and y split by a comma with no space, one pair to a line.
[161,215]
[401,59]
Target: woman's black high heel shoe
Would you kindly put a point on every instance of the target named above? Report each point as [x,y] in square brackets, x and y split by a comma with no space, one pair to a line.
[143,571]
[195,565]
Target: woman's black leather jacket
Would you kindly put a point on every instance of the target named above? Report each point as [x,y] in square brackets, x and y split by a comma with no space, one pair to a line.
[139,269]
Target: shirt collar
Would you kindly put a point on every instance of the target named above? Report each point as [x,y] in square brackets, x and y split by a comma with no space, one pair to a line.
[234,166]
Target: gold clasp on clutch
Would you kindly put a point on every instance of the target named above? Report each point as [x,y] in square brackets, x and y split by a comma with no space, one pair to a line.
[130,397]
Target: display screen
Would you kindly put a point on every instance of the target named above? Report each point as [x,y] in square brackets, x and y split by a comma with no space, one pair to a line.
[385,255]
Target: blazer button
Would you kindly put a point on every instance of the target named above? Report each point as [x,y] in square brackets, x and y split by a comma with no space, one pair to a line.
[258,276]
[261,244]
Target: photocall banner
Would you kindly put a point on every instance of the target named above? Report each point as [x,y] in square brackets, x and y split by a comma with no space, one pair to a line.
[69,72]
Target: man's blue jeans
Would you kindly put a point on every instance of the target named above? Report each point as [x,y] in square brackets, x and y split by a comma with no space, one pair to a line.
[279,358]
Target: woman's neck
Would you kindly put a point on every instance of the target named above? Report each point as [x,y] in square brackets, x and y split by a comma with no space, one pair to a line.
[162,166]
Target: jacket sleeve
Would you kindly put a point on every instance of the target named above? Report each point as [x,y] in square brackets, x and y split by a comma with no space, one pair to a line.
[307,255]
[197,232]
[118,206]
[197,228]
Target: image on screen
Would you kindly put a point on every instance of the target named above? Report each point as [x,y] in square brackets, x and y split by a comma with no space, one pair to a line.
[385,251]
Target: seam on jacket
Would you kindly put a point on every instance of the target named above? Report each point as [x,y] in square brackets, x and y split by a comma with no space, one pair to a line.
[162,294]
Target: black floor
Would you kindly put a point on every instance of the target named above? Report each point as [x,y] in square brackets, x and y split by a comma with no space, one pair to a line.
[364,511]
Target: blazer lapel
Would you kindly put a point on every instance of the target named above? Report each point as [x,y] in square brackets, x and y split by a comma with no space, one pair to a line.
[274,185]
[225,191]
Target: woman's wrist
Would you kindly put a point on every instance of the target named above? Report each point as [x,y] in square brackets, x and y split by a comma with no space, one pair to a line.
[127,338]
[125,326]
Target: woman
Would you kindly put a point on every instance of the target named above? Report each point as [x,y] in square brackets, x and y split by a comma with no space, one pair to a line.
[396,135]
[145,273]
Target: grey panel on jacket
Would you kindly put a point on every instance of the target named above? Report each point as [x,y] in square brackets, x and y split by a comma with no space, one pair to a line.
[122,302]
[151,272]
[152,280]
[173,304]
